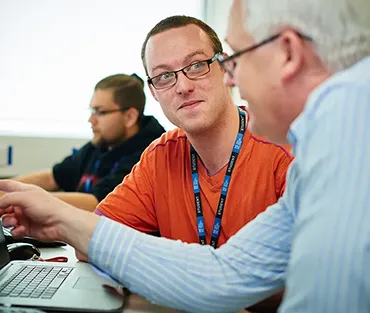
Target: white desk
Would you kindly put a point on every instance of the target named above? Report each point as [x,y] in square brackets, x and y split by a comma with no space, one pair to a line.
[134,303]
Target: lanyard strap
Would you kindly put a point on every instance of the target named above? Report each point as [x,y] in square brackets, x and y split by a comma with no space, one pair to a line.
[225,186]
[89,180]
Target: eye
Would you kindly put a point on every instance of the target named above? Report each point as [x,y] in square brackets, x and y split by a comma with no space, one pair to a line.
[197,66]
[93,111]
[165,76]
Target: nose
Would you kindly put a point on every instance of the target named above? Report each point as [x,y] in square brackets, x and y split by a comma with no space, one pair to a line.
[229,80]
[92,119]
[184,85]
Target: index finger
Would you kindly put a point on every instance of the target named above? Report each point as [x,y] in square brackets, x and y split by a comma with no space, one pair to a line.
[9,185]
[13,199]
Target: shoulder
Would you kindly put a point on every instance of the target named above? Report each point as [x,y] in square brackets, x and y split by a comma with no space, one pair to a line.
[87,147]
[337,107]
[168,149]
[269,148]
[343,92]
[270,155]
[163,153]
[174,139]
[87,150]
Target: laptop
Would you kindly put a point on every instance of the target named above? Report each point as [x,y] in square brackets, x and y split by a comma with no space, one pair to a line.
[52,286]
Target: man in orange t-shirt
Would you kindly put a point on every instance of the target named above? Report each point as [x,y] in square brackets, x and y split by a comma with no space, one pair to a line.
[158,196]
[204,181]
[167,194]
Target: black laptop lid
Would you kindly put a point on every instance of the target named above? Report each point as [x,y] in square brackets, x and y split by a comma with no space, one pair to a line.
[4,254]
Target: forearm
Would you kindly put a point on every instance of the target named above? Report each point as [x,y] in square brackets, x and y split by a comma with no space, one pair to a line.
[80,200]
[43,179]
[188,277]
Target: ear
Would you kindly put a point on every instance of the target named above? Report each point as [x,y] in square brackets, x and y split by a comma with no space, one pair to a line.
[152,91]
[293,54]
[132,116]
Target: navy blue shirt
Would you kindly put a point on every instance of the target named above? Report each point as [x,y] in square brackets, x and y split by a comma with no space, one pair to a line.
[98,170]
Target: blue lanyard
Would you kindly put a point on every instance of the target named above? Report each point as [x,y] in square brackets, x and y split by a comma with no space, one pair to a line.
[225,186]
[88,181]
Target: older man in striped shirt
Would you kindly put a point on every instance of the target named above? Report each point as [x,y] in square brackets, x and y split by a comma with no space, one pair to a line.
[304,68]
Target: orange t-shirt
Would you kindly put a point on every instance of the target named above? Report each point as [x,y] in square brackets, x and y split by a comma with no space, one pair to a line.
[158,194]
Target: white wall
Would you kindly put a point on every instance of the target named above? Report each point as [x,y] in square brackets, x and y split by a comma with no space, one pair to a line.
[35,153]
[32,153]
[52,55]
[54,52]
[216,14]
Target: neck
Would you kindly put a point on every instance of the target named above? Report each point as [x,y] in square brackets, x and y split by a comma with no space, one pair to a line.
[130,132]
[214,146]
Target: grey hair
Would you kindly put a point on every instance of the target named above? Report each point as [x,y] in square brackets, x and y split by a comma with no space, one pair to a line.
[340,29]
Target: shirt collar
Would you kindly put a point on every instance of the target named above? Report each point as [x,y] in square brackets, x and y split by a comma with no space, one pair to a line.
[299,125]
[293,132]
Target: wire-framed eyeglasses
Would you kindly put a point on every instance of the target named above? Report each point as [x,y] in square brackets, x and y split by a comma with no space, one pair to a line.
[192,71]
[229,63]
[99,112]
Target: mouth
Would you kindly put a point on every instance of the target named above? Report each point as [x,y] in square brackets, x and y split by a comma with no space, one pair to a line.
[190,104]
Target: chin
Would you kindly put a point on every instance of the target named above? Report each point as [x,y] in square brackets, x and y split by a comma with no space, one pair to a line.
[198,122]
[195,126]
[96,141]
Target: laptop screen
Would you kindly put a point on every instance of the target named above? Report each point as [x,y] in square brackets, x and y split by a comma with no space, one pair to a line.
[4,254]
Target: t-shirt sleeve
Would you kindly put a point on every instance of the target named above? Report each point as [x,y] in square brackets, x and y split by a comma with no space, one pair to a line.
[283,160]
[106,185]
[67,173]
[132,202]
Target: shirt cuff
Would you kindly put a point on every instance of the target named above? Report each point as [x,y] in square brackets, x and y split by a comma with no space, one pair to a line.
[110,247]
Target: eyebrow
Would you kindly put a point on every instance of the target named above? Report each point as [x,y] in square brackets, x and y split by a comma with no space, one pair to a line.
[97,108]
[186,60]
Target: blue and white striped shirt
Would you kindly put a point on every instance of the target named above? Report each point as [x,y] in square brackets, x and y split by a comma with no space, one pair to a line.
[316,239]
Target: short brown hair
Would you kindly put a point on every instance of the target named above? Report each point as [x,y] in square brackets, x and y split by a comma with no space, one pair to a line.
[128,90]
[177,21]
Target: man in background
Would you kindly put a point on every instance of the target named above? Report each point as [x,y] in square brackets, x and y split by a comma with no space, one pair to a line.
[121,132]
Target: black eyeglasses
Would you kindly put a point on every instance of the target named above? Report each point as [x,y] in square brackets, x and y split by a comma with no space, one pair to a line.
[98,112]
[192,71]
[229,63]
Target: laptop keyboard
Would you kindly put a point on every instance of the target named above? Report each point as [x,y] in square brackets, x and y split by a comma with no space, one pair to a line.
[35,281]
